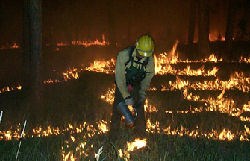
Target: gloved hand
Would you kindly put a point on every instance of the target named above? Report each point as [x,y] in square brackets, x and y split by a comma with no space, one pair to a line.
[130,88]
[129,101]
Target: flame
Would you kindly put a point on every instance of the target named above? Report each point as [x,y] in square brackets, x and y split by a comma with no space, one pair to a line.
[136,144]
[76,147]
[120,153]
[237,81]
[213,58]
[84,43]
[89,131]
[149,108]
[245,118]
[13,45]
[69,156]
[226,135]
[244,60]
[109,95]
[246,107]
[50,81]
[173,54]
[102,126]
[164,64]
[11,88]
[102,66]
[71,73]
[132,146]
[153,127]
[216,36]
[96,42]
[157,65]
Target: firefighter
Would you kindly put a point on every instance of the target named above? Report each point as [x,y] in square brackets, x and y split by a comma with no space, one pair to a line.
[133,73]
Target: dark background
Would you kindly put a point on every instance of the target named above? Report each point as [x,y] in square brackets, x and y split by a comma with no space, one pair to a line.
[120,21]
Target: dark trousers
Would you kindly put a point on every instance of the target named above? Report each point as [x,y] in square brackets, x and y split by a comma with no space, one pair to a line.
[140,122]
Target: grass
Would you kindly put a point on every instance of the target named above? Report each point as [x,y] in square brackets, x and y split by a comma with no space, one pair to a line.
[77,101]
[67,104]
[159,147]
[44,149]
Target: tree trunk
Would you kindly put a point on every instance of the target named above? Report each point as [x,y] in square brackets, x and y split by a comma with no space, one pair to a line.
[111,30]
[203,32]
[192,20]
[129,22]
[69,21]
[1,21]
[32,50]
[229,29]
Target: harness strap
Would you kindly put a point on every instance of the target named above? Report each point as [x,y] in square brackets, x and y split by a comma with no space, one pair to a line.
[131,58]
[130,53]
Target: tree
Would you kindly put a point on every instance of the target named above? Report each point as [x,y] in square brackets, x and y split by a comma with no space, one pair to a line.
[1,19]
[131,6]
[111,16]
[32,45]
[203,28]
[229,28]
[192,18]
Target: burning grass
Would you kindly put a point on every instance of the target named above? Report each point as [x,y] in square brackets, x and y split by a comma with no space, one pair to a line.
[73,126]
[193,112]
[74,147]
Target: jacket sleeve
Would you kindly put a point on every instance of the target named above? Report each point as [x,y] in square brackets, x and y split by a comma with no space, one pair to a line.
[150,69]
[120,75]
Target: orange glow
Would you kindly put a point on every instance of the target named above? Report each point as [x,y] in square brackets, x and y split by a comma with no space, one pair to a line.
[11,88]
[70,74]
[164,64]
[136,144]
[109,96]
[102,66]
[244,60]
[83,43]
[102,126]
[84,148]
[215,36]
[13,45]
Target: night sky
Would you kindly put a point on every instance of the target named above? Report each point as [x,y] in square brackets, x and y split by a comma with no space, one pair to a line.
[166,20]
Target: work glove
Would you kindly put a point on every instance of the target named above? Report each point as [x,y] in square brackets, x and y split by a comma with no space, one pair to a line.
[130,88]
[129,101]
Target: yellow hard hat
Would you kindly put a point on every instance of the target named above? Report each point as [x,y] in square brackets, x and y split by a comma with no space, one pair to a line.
[145,46]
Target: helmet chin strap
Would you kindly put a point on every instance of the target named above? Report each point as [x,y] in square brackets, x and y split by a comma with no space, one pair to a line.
[138,56]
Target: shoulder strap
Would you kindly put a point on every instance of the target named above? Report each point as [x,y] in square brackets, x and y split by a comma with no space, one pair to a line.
[130,52]
[146,61]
